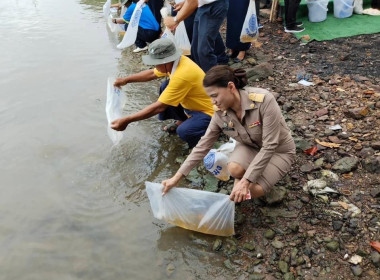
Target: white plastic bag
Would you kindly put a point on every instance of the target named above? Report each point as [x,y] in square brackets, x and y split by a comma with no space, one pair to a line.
[217,159]
[207,212]
[133,26]
[106,8]
[358,7]
[181,39]
[250,30]
[114,108]
[114,27]
[167,33]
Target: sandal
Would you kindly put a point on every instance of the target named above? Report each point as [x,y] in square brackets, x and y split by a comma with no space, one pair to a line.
[170,128]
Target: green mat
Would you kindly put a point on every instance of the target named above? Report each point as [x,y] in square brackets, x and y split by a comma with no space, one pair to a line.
[333,27]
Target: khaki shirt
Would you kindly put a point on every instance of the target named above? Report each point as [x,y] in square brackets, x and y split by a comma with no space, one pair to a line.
[263,128]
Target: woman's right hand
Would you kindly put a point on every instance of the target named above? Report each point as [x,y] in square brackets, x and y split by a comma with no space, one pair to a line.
[178,6]
[170,183]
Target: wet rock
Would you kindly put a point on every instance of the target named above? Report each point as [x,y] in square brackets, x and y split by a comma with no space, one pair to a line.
[302,144]
[217,245]
[330,176]
[256,276]
[276,195]
[269,234]
[239,219]
[251,61]
[319,163]
[260,72]
[256,222]
[210,183]
[332,246]
[289,276]
[283,266]
[307,168]
[277,244]
[321,112]
[305,199]
[357,113]
[375,258]
[287,107]
[170,269]
[376,145]
[372,164]
[227,263]
[294,227]
[337,225]
[375,192]
[249,246]
[356,270]
[353,223]
[366,152]
[346,164]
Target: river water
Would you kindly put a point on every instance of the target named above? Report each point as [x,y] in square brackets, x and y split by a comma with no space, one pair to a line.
[71,205]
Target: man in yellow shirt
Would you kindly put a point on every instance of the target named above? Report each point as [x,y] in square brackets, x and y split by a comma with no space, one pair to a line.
[182,98]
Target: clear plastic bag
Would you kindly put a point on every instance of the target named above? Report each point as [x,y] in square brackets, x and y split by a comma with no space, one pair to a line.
[133,26]
[202,211]
[106,8]
[167,33]
[250,30]
[181,39]
[114,108]
[217,159]
[114,27]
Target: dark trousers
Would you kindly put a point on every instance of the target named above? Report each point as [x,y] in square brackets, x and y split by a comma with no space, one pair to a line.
[207,48]
[291,7]
[145,36]
[193,127]
[155,6]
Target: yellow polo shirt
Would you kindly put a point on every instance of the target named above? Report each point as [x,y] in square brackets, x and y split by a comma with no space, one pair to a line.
[186,88]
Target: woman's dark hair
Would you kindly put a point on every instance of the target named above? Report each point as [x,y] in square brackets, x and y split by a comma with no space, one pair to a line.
[221,75]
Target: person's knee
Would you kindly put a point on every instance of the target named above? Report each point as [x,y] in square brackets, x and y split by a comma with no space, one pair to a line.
[236,170]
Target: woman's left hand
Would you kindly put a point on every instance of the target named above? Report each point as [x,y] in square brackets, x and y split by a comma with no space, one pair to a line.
[240,191]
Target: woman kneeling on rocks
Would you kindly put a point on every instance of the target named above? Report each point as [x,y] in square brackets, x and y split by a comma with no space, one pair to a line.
[264,149]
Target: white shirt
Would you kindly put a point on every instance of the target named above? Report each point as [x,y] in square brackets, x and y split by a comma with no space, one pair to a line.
[204,2]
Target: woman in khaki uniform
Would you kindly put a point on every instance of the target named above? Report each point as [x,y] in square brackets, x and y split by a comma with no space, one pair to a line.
[264,149]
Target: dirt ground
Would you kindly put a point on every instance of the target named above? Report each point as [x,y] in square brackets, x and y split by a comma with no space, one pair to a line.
[293,234]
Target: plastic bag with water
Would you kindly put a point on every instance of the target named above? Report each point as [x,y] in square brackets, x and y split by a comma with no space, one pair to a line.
[133,26]
[181,39]
[114,108]
[202,211]
[217,159]
[250,30]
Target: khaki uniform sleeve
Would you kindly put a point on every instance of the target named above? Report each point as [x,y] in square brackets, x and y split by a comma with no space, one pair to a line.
[271,116]
[202,148]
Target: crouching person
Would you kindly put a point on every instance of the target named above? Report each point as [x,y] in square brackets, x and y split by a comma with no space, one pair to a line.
[182,97]
[264,149]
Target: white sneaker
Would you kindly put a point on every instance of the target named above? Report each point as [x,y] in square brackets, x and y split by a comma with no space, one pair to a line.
[140,50]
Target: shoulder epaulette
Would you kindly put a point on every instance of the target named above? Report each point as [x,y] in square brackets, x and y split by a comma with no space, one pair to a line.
[215,108]
[257,97]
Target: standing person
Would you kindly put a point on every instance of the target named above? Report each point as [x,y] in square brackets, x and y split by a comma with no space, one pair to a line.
[264,150]
[235,20]
[182,98]
[189,21]
[155,6]
[149,29]
[291,25]
[207,47]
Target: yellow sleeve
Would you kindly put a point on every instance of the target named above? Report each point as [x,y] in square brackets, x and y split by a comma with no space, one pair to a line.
[175,92]
[159,74]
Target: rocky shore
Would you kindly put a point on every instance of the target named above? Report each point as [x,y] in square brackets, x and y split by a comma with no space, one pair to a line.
[320,220]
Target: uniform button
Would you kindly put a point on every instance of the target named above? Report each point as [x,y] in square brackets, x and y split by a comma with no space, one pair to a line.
[252,106]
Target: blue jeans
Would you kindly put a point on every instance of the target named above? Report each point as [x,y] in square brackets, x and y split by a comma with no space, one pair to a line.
[207,47]
[194,123]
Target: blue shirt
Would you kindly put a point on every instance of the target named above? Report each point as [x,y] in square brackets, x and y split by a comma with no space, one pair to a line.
[147,20]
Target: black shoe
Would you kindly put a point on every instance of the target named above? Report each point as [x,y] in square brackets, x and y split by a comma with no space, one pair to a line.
[295,29]
[299,23]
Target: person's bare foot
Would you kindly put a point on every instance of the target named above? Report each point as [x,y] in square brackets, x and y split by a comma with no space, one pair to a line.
[241,55]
